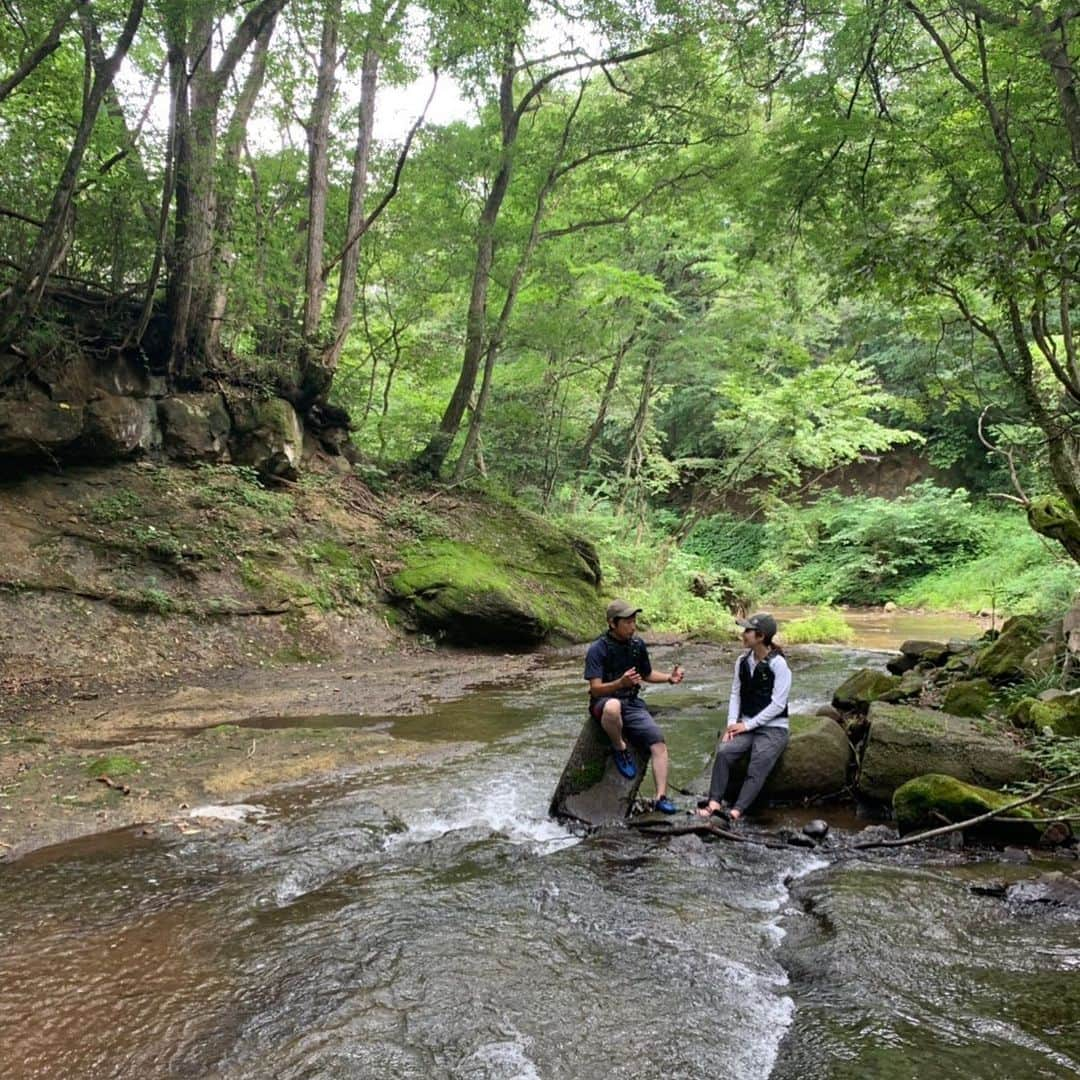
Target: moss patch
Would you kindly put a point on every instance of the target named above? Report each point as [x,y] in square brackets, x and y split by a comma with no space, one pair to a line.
[504,585]
[113,765]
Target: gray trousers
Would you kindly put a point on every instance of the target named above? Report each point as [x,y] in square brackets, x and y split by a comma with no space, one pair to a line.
[764,745]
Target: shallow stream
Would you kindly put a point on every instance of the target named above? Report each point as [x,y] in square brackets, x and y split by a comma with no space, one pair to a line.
[435,923]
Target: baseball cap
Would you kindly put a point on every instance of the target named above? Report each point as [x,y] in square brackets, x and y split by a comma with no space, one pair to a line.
[620,609]
[764,624]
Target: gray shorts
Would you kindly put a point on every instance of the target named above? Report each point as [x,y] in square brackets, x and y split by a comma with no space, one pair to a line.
[638,725]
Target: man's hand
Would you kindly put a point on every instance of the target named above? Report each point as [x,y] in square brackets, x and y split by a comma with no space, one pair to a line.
[677,674]
[735,729]
[630,677]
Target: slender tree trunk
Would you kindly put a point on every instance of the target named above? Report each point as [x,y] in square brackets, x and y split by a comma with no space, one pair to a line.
[345,307]
[597,425]
[231,154]
[22,300]
[319,171]
[431,458]
[45,48]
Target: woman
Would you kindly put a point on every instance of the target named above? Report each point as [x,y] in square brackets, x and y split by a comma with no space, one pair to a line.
[757,718]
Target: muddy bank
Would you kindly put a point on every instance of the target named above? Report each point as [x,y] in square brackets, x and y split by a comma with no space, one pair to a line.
[168,747]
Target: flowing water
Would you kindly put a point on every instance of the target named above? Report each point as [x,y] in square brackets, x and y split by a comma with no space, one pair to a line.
[433,922]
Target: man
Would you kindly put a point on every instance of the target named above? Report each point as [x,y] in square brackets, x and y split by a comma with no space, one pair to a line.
[616,665]
[757,718]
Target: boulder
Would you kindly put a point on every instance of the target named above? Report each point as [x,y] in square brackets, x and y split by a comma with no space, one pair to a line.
[591,789]
[1003,659]
[1061,714]
[1041,660]
[268,436]
[905,741]
[522,587]
[935,652]
[969,697]
[195,427]
[814,763]
[935,799]
[862,688]
[38,427]
[1070,626]
[900,663]
[1020,712]
[120,427]
[911,685]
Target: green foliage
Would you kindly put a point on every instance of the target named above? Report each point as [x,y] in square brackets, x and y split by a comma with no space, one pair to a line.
[826,626]
[724,540]
[864,550]
[110,509]
[1055,755]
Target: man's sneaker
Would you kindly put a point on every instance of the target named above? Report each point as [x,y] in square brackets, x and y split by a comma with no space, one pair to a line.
[665,805]
[624,762]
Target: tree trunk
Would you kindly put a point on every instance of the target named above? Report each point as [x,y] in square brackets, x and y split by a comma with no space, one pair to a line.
[431,458]
[233,149]
[345,307]
[318,172]
[45,48]
[22,300]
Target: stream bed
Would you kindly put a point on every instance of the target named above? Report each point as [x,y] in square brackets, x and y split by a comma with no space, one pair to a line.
[434,923]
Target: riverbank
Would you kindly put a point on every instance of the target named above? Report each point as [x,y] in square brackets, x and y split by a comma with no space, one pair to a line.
[170,746]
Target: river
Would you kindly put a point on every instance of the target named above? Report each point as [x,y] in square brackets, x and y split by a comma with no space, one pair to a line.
[435,923]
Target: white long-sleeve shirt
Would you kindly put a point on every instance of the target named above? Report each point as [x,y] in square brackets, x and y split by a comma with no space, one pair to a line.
[770,716]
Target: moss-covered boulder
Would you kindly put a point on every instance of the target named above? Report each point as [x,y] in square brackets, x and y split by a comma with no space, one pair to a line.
[1002,660]
[515,580]
[815,762]
[969,697]
[591,789]
[905,741]
[862,688]
[1060,714]
[268,436]
[1020,712]
[935,799]
[195,427]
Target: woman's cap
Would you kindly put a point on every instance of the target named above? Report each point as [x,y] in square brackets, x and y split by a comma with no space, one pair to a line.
[762,623]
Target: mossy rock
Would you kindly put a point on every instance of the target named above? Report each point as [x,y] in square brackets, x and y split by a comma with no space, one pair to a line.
[591,789]
[969,697]
[815,762]
[1020,712]
[864,687]
[906,741]
[934,652]
[1002,661]
[517,587]
[924,801]
[1061,715]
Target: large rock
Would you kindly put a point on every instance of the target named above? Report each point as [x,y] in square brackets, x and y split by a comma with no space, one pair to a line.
[905,742]
[969,697]
[513,595]
[934,799]
[591,789]
[1002,661]
[1061,714]
[814,763]
[1070,627]
[862,688]
[195,427]
[38,427]
[935,652]
[269,437]
[120,427]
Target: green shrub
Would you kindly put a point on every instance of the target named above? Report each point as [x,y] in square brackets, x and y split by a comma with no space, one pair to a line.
[824,626]
[724,540]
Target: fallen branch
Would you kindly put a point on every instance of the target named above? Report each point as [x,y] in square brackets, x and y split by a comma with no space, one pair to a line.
[1062,784]
[653,828]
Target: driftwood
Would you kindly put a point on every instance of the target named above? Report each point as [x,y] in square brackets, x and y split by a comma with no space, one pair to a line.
[1063,783]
